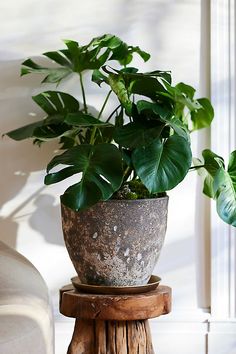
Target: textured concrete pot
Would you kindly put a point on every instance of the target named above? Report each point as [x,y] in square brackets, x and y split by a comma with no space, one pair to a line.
[116,242]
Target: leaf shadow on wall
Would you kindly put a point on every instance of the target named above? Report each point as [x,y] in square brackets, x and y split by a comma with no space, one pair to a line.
[21,162]
[46,219]
[40,210]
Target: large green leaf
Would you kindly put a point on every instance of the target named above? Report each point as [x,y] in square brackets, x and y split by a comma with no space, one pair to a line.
[162,165]
[101,167]
[51,131]
[57,105]
[207,177]
[27,131]
[165,115]
[182,95]
[225,191]
[81,119]
[59,58]
[53,75]
[98,77]
[82,195]
[212,161]
[84,58]
[125,83]
[73,59]
[136,134]
[178,127]
[164,75]
[104,134]
[77,58]
[63,115]
[220,184]
[202,118]
[106,41]
[158,109]
[208,170]
[120,50]
[187,90]
[208,186]
[124,54]
[56,102]
[143,84]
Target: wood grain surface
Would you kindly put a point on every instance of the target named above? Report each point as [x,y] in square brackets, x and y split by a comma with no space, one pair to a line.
[115,307]
[111,337]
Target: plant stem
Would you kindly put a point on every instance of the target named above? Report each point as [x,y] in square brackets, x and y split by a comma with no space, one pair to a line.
[94,130]
[83,93]
[196,167]
[104,104]
[77,140]
[127,173]
[113,113]
[92,140]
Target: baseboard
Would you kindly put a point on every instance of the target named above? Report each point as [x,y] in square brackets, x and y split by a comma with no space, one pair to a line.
[179,333]
[180,336]
[166,339]
[222,337]
[170,334]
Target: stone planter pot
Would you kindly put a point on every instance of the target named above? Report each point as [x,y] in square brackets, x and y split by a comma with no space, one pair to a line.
[117,242]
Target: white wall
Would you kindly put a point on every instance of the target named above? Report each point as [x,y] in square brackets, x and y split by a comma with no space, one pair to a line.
[30,215]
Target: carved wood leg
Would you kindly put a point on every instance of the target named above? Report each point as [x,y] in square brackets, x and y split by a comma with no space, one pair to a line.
[111,337]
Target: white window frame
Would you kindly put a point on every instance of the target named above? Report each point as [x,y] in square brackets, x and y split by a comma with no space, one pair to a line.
[222,324]
[213,332]
[223,141]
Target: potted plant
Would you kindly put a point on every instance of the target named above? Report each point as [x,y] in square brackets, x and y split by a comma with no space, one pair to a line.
[114,217]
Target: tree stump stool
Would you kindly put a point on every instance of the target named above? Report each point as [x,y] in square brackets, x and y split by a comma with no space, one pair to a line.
[113,324]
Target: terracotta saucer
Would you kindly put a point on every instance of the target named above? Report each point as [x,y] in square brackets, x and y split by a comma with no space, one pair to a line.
[117,290]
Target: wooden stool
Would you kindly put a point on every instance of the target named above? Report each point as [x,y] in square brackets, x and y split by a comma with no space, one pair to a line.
[113,324]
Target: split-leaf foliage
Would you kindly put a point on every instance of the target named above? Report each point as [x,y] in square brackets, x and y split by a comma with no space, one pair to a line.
[145,137]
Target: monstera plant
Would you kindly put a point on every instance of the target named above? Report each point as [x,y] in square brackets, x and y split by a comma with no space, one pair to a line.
[144,138]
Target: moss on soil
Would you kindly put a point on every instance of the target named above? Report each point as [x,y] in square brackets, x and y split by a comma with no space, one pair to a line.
[135,190]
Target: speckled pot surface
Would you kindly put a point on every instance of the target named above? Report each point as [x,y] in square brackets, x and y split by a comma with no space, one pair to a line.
[117,242]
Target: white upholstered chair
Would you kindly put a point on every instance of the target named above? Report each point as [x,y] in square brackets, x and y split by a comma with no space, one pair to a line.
[26,323]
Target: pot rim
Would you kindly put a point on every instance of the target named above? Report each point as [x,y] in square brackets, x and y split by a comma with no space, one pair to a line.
[128,201]
[132,200]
